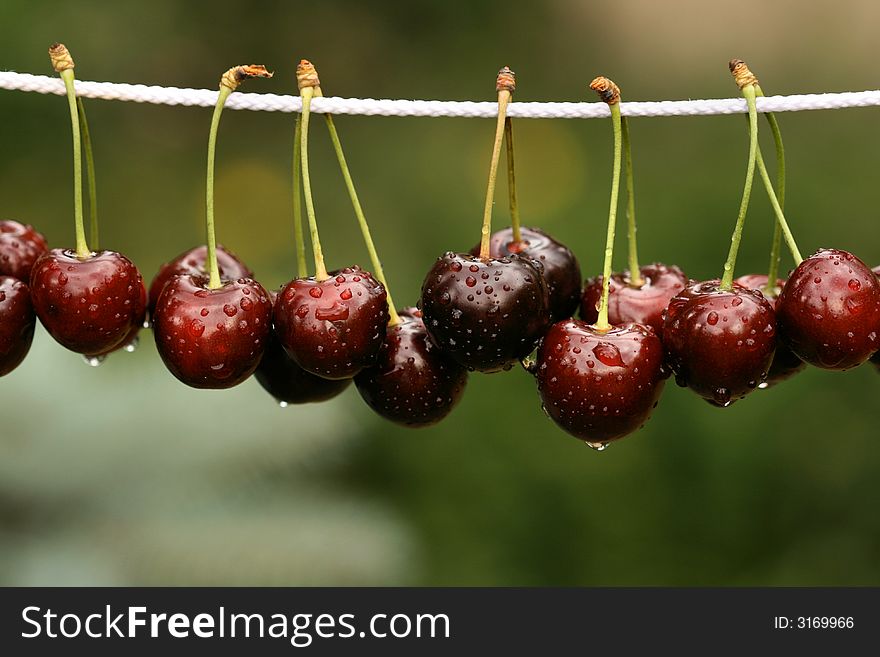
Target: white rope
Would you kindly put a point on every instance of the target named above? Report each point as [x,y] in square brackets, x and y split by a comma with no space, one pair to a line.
[140,93]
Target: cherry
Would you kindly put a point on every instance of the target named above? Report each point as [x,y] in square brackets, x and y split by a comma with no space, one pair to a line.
[600,385]
[194,263]
[626,303]
[559,266]
[601,381]
[719,343]
[16,323]
[876,357]
[829,310]
[286,381]
[20,246]
[333,327]
[212,337]
[88,305]
[413,383]
[785,363]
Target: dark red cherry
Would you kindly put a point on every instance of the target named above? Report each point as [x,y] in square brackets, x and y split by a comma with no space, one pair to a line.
[876,357]
[129,343]
[89,306]
[335,327]
[193,263]
[286,381]
[560,266]
[17,323]
[628,304]
[719,343]
[829,310]
[212,338]
[600,386]
[486,314]
[785,363]
[20,246]
[413,382]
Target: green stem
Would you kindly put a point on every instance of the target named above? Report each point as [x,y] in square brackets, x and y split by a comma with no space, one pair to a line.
[320,269]
[635,274]
[359,213]
[776,243]
[302,267]
[213,270]
[82,247]
[777,209]
[511,182]
[503,100]
[90,174]
[602,324]
[727,277]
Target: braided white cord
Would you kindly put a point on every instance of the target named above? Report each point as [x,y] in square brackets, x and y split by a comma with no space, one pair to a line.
[140,93]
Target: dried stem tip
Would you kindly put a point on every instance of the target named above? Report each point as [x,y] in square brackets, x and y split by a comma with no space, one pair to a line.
[238,74]
[306,75]
[60,57]
[607,90]
[506,80]
[741,73]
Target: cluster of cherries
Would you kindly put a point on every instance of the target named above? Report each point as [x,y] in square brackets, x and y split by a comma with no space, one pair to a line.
[510,300]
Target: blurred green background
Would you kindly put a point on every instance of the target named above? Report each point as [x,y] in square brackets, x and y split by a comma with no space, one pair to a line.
[122,475]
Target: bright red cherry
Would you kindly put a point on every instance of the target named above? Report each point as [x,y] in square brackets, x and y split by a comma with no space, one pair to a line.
[413,383]
[17,323]
[829,310]
[20,246]
[628,304]
[333,328]
[719,343]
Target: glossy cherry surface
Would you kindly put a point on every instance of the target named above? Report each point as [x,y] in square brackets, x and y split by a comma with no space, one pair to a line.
[89,306]
[628,304]
[286,381]
[413,383]
[20,247]
[333,328]
[560,267]
[212,338]
[17,323]
[719,343]
[194,263]
[486,314]
[600,386]
[875,359]
[829,310]
[785,363]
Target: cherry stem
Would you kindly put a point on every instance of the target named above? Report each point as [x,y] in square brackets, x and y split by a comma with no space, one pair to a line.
[635,273]
[90,174]
[302,267]
[602,324]
[748,92]
[503,100]
[213,270]
[511,182]
[82,247]
[320,270]
[780,217]
[394,318]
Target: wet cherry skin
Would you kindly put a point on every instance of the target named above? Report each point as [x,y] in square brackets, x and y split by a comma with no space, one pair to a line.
[719,343]
[487,314]
[413,383]
[628,304]
[89,306]
[600,386]
[20,247]
[286,381]
[333,328]
[17,322]
[829,310]
[212,338]
[560,266]
[876,357]
[785,363]
[194,263]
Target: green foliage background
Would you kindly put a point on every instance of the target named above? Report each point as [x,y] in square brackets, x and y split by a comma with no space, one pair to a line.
[121,475]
